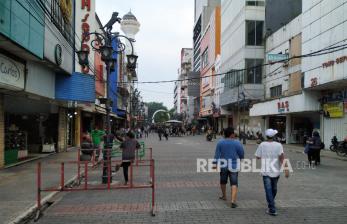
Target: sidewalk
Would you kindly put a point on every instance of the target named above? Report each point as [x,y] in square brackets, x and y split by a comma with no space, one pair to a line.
[300,149]
[18,184]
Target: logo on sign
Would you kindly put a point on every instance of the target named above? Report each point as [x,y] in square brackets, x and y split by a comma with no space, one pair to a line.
[283,107]
[9,70]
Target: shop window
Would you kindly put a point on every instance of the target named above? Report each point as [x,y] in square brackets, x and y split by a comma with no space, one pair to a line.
[204,58]
[59,19]
[254,71]
[255,3]
[254,32]
[276,91]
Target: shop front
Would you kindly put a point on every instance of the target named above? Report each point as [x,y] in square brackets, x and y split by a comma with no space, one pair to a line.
[334,106]
[31,127]
[293,116]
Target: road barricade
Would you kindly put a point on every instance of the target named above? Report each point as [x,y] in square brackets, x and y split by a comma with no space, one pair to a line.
[84,168]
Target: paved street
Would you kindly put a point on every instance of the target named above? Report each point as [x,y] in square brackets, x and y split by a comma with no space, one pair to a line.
[184,196]
[18,184]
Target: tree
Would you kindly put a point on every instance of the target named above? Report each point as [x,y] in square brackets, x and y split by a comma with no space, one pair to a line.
[174,115]
[153,107]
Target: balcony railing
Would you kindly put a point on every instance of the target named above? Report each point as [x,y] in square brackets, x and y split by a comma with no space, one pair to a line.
[242,92]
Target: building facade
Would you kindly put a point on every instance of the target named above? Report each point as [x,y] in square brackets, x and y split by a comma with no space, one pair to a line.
[241,56]
[324,25]
[177,97]
[186,67]
[210,48]
[287,107]
[309,93]
[37,48]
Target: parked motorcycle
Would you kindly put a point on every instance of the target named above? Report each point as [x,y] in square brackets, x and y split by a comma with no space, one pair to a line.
[334,144]
[342,148]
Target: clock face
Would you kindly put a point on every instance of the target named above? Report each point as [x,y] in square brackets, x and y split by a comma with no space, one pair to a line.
[58,54]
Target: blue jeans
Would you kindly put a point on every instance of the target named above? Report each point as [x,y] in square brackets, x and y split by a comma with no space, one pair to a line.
[270,186]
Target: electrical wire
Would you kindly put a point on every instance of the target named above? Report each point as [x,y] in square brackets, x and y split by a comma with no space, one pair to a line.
[313,54]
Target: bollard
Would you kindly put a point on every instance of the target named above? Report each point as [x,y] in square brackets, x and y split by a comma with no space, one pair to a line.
[62,177]
[85,175]
[131,174]
[79,166]
[109,169]
[153,187]
[39,185]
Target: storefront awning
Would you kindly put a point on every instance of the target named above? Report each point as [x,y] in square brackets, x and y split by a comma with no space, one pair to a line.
[303,102]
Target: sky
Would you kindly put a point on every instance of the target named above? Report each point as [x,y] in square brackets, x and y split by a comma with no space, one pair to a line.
[166,27]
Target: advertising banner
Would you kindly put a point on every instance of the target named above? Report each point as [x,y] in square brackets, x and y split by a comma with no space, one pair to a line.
[334,109]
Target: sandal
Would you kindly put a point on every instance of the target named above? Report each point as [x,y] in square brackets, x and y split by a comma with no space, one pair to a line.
[222,198]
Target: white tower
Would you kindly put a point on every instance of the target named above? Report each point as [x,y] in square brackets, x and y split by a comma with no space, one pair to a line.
[130,27]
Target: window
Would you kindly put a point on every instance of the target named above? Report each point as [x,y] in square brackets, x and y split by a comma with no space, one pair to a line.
[255,3]
[205,81]
[254,32]
[254,71]
[204,58]
[58,20]
[276,91]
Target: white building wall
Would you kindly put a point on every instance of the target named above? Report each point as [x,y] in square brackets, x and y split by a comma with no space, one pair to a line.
[233,40]
[324,25]
[277,43]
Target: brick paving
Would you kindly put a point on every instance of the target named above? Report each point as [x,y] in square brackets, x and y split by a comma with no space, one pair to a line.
[185,196]
[18,184]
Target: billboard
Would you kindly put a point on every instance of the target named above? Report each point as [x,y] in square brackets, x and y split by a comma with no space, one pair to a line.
[333,110]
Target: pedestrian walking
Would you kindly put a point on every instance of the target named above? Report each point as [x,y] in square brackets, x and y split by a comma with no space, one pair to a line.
[229,149]
[160,133]
[128,147]
[272,157]
[166,133]
[313,148]
[146,132]
[97,136]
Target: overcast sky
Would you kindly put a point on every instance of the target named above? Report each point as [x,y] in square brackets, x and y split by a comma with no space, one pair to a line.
[166,27]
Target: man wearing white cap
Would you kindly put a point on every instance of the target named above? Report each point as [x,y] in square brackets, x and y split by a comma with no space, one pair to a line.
[272,157]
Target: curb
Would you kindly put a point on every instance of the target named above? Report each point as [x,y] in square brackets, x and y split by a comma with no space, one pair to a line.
[300,150]
[32,210]
[37,158]
[29,160]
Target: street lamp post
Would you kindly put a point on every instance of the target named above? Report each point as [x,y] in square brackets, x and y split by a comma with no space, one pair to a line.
[103,44]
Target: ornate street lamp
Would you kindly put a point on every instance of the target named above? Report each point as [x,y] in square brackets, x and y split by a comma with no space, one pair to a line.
[103,44]
[83,57]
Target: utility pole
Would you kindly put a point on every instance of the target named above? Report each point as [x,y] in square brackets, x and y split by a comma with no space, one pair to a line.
[238,107]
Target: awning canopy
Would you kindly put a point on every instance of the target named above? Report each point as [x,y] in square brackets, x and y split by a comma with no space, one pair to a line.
[174,121]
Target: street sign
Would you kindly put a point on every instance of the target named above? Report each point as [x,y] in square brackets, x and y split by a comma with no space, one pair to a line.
[277,57]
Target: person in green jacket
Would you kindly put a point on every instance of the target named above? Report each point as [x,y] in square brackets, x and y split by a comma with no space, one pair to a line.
[97,135]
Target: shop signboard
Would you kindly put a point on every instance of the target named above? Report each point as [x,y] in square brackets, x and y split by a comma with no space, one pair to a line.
[277,57]
[283,107]
[11,73]
[333,109]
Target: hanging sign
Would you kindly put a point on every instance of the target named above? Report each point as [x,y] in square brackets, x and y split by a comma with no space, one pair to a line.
[11,73]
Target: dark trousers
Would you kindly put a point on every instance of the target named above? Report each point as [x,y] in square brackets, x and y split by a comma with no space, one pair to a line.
[317,156]
[125,166]
[159,137]
[313,155]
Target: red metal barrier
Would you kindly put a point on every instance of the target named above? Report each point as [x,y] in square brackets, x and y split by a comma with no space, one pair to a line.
[86,187]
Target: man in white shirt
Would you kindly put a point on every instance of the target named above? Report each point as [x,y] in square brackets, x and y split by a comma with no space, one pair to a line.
[272,157]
